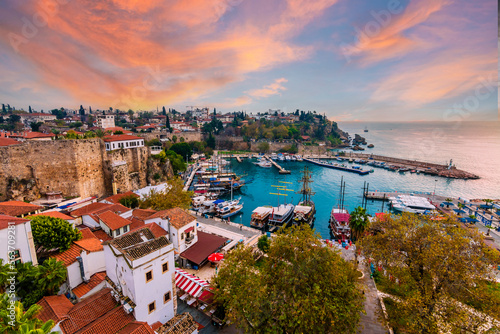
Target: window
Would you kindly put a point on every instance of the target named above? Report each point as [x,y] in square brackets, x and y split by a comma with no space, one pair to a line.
[152,307]
[117,232]
[126,144]
[125,228]
[15,256]
[164,267]
[182,236]
[149,276]
[166,297]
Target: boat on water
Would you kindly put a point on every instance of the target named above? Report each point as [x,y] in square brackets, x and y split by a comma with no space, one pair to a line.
[274,156]
[288,158]
[366,129]
[293,157]
[260,217]
[298,157]
[355,169]
[281,157]
[281,215]
[305,211]
[411,204]
[264,163]
[208,207]
[228,209]
[339,224]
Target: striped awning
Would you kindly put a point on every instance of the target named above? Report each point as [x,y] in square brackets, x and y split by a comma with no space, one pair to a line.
[188,283]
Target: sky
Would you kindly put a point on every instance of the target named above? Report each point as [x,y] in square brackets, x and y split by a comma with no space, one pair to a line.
[366,60]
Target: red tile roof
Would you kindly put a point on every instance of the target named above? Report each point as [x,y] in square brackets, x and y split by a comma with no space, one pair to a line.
[5,220]
[156,229]
[207,244]
[69,256]
[7,141]
[178,217]
[17,208]
[87,209]
[115,208]
[101,235]
[121,138]
[113,221]
[116,198]
[143,213]
[54,214]
[94,281]
[137,327]
[54,308]
[32,135]
[89,243]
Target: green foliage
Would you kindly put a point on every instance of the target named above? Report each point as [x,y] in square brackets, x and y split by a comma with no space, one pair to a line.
[153,142]
[89,134]
[119,132]
[439,266]
[176,160]
[130,201]
[22,322]
[71,134]
[51,232]
[174,138]
[35,126]
[183,149]
[170,198]
[263,243]
[211,142]
[60,113]
[300,287]
[76,124]
[358,221]
[263,147]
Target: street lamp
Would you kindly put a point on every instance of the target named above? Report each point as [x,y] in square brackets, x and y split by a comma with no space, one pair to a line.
[435,183]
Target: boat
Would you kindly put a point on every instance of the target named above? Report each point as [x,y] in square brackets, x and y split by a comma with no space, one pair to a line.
[339,224]
[281,157]
[281,215]
[264,163]
[410,203]
[197,202]
[355,169]
[274,156]
[229,209]
[260,217]
[299,157]
[288,158]
[208,207]
[305,211]
[293,158]
[366,129]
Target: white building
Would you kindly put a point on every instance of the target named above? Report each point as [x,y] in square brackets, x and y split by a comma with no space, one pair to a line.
[113,224]
[180,225]
[21,248]
[105,121]
[123,141]
[37,117]
[141,268]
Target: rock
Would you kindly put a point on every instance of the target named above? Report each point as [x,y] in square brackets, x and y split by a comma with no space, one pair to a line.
[371,146]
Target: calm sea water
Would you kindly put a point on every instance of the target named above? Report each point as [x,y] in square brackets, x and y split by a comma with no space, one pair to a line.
[473,146]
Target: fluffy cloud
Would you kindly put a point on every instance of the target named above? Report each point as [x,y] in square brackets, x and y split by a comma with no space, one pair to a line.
[275,88]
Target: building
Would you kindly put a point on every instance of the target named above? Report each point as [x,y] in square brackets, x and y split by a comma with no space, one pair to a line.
[29,135]
[56,214]
[19,209]
[180,226]
[105,121]
[21,249]
[141,271]
[113,224]
[89,214]
[26,119]
[123,142]
[115,199]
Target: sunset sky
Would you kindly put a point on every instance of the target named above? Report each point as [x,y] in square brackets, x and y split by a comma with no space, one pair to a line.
[366,60]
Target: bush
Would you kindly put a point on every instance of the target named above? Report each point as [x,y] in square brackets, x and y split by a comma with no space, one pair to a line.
[52,232]
[130,201]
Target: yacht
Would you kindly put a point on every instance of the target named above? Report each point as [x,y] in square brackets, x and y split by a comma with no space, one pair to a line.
[260,217]
[228,209]
[281,157]
[264,163]
[288,158]
[274,156]
[412,204]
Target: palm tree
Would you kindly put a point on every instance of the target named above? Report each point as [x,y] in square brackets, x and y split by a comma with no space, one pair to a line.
[51,275]
[448,202]
[4,275]
[24,322]
[358,222]
[99,133]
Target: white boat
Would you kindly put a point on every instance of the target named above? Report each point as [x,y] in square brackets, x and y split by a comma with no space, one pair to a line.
[274,156]
[294,158]
[281,215]
[229,210]
[298,157]
[412,204]
[264,163]
[209,206]
[281,157]
[288,158]
[197,202]
[260,216]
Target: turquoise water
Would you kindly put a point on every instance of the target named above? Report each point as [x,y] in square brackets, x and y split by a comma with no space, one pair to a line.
[474,147]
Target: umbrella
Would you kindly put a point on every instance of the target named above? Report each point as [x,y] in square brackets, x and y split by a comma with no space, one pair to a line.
[215,257]
[447,204]
[459,211]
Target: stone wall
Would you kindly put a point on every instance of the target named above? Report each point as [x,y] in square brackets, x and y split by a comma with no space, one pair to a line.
[74,167]
[188,136]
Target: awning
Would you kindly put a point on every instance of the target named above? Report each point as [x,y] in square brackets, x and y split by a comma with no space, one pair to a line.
[188,283]
[207,297]
[207,244]
[189,229]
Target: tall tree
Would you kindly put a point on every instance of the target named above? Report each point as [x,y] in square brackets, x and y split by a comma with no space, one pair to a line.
[90,110]
[358,221]
[51,232]
[164,111]
[301,286]
[29,109]
[167,123]
[35,126]
[4,110]
[24,322]
[51,275]
[82,111]
[442,269]
[130,113]
[173,197]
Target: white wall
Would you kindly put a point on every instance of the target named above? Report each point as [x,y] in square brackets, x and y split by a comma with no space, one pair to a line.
[93,262]
[88,221]
[21,239]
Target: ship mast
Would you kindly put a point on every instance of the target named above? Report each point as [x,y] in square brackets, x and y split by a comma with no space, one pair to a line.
[306,190]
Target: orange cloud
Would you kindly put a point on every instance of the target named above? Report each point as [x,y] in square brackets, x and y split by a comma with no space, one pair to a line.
[275,88]
[140,53]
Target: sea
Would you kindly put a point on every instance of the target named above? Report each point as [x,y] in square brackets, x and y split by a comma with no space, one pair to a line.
[472,146]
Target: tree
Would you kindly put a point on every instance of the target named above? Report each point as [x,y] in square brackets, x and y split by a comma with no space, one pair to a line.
[51,232]
[23,322]
[172,197]
[440,268]
[99,133]
[301,287]
[130,113]
[81,111]
[174,138]
[211,142]
[164,111]
[35,126]
[90,110]
[358,221]
[167,123]
[13,119]
[4,110]
[183,149]
[263,243]
[29,109]
[263,147]
[130,201]
[51,275]
[176,161]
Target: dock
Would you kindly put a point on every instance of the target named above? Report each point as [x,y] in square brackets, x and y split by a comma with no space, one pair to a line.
[239,159]
[191,177]
[281,169]
[338,167]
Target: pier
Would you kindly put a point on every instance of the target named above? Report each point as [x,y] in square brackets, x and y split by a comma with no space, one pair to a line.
[281,169]
[191,177]
[239,159]
[339,167]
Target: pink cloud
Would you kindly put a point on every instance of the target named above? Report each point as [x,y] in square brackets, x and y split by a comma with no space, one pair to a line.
[273,89]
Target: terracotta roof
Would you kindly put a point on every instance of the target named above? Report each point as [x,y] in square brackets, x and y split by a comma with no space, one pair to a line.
[17,208]
[181,323]
[113,221]
[32,135]
[139,243]
[137,327]
[121,138]
[156,229]
[98,314]
[7,141]
[69,256]
[94,281]
[143,213]
[115,208]
[136,223]
[207,244]
[101,235]
[54,308]
[88,243]
[87,209]
[116,198]
[178,217]
[5,220]
[54,214]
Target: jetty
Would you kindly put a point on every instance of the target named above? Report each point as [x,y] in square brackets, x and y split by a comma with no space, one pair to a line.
[239,159]
[281,169]
[191,177]
[339,167]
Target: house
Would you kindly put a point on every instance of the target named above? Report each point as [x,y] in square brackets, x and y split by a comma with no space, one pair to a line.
[113,224]
[7,141]
[89,214]
[97,314]
[31,135]
[181,227]
[123,141]
[36,117]
[57,214]
[141,271]
[115,199]
[105,121]
[114,129]
[22,248]
[19,209]
[83,259]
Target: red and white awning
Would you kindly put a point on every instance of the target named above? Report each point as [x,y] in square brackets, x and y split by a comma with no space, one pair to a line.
[189,283]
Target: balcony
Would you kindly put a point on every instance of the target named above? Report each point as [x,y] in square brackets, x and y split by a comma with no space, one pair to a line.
[189,240]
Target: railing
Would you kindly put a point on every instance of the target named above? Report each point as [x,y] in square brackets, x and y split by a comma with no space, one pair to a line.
[189,240]
[155,149]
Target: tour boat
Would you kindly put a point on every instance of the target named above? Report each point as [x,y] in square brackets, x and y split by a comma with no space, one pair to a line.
[281,215]
[260,216]
[412,204]
[339,223]
[229,209]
